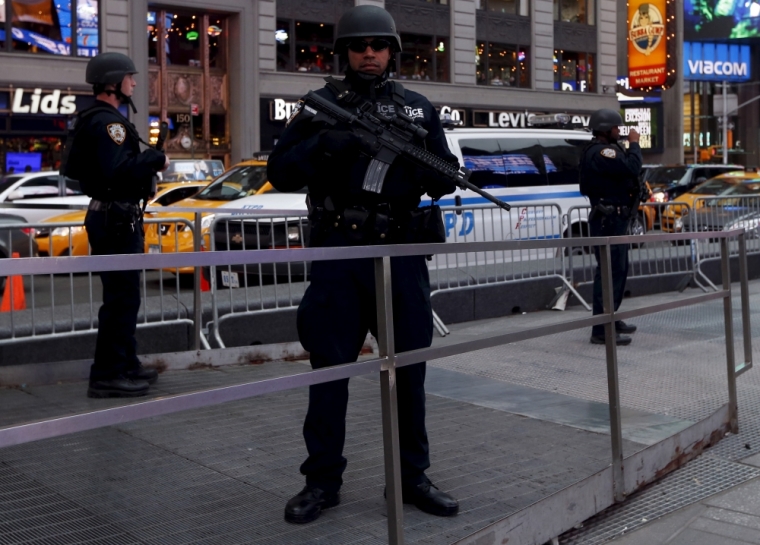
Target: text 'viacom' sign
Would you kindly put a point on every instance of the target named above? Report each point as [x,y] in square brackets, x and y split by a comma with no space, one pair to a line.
[648,64]
[716,62]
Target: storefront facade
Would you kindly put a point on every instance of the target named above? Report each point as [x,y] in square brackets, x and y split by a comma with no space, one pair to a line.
[225,73]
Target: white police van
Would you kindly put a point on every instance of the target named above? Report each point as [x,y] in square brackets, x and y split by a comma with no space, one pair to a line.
[535,170]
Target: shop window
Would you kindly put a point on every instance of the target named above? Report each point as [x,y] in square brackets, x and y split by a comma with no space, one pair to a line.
[217,130]
[305,47]
[423,57]
[43,152]
[217,44]
[183,42]
[187,82]
[574,11]
[44,26]
[502,65]
[574,71]
[509,7]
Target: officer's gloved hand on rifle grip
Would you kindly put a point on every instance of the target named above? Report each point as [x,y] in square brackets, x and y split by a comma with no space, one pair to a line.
[338,141]
[434,184]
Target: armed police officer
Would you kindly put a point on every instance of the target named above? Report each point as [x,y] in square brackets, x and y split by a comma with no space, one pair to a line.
[103,153]
[610,179]
[338,308]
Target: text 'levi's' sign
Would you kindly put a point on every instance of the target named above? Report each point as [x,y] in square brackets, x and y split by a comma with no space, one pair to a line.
[647,43]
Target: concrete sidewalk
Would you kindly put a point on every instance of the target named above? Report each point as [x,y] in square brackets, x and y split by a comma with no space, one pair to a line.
[730,518]
[508,426]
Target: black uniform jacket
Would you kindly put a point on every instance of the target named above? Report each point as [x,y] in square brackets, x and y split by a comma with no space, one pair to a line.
[107,160]
[299,160]
[609,172]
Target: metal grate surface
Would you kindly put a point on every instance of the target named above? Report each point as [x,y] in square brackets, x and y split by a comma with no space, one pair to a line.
[223,474]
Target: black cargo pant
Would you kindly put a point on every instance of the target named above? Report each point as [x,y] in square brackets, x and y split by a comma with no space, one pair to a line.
[610,226]
[333,319]
[116,347]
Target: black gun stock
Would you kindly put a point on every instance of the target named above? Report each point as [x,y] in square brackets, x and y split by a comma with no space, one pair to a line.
[390,137]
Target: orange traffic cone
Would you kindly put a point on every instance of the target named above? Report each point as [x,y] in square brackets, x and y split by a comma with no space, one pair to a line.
[14,285]
[205,286]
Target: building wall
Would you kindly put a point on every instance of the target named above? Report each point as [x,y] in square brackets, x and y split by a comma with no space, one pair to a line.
[252,68]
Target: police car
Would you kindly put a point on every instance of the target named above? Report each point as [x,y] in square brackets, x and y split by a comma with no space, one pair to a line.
[535,170]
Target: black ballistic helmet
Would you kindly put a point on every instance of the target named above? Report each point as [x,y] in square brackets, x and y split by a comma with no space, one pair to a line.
[365,21]
[604,120]
[109,68]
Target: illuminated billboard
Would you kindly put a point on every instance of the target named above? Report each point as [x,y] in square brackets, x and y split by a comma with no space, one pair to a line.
[721,19]
[650,61]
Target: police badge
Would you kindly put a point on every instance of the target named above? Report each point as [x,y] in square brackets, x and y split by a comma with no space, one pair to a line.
[117,132]
[609,153]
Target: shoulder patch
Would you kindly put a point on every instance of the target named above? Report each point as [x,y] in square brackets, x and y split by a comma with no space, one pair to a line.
[117,132]
[609,153]
[296,111]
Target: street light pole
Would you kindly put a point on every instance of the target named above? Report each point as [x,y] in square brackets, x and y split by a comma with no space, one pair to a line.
[725,123]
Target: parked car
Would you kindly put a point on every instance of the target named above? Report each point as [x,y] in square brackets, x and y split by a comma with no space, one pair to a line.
[243,180]
[36,196]
[737,207]
[191,170]
[671,220]
[671,181]
[73,240]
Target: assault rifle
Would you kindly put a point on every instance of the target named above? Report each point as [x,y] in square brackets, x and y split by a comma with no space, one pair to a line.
[389,137]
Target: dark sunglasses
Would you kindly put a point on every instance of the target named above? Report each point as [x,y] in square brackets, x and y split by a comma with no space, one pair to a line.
[360,46]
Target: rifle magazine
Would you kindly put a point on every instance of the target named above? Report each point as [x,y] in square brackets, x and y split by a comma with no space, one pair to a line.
[375,176]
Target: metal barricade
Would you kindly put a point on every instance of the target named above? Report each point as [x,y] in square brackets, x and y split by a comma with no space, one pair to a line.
[467,270]
[656,257]
[67,305]
[265,287]
[722,213]
[611,485]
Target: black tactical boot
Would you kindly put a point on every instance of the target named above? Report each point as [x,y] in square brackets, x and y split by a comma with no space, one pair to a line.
[117,387]
[622,327]
[147,374]
[620,340]
[426,497]
[308,504]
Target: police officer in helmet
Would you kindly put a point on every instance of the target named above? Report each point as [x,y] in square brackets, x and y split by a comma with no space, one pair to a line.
[338,308]
[610,179]
[103,153]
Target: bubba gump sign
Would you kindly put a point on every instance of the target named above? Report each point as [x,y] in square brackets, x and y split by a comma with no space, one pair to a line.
[647,43]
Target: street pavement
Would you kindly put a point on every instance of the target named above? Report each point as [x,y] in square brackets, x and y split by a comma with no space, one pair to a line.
[508,426]
[730,518]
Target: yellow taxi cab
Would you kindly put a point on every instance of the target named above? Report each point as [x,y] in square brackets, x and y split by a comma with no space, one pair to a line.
[671,221]
[242,180]
[64,241]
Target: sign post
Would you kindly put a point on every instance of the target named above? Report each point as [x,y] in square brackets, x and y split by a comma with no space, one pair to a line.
[725,123]
[193,113]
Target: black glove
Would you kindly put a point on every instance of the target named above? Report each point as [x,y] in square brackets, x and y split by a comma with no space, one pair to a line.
[434,184]
[339,141]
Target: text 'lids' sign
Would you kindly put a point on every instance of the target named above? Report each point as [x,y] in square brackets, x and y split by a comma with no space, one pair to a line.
[716,62]
[35,102]
[647,43]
